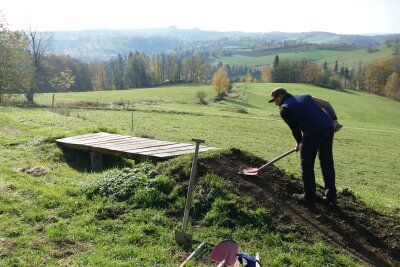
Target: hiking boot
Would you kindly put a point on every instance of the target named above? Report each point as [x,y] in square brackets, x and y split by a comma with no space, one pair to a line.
[302,199]
[330,201]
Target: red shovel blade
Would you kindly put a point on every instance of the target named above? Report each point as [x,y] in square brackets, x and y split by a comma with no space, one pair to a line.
[226,251]
[249,171]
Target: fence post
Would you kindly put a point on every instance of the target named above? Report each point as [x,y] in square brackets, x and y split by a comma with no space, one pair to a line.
[132,124]
[52,103]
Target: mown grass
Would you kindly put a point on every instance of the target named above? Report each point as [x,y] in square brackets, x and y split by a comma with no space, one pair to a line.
[50,220]
[365,150]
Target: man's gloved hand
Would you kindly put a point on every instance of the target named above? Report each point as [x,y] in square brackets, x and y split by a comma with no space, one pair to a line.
[336,126]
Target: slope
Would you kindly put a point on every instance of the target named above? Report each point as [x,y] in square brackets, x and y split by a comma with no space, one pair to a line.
[371,236]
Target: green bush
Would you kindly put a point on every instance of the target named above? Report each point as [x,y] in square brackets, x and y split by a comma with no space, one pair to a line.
[138,185]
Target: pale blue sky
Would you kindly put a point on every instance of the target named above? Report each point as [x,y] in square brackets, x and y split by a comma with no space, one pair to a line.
[338,16]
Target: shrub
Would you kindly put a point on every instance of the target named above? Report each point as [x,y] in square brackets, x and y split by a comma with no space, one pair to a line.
[201,97]
[138,185]
[120,184]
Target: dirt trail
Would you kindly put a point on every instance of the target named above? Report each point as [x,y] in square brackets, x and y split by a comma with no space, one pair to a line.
[372,237]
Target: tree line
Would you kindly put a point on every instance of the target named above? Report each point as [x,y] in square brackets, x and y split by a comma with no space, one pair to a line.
[28,67]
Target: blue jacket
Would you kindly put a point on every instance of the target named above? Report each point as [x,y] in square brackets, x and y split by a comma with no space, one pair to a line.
[304,116]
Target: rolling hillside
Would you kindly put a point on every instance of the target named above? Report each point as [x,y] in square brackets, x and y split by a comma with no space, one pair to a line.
[93,45]
[349,59]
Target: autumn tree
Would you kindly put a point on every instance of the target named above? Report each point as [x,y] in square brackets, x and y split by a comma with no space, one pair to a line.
[220,82]
[266,73]
[376,75]
[392,87]
[312,74]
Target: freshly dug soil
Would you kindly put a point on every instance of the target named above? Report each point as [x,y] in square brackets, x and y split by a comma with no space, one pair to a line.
[371,236]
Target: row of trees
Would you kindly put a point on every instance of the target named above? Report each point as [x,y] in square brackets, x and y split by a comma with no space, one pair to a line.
[26,66]
[380,77]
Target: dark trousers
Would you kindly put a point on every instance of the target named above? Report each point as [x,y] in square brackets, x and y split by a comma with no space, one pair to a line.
[311,145]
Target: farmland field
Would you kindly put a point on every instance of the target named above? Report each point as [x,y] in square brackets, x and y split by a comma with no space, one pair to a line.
[348,59]
[47,220]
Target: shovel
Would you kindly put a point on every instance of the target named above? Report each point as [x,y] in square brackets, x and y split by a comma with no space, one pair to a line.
[181,237]
[255,171]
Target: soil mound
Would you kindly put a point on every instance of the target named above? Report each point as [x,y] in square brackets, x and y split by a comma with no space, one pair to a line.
[371,236]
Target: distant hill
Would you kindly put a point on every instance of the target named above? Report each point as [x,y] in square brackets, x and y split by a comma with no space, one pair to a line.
[94,45]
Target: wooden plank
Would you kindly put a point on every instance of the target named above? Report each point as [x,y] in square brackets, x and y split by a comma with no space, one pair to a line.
[88,140]
[177,153]
[155,149]
[92,142]
[128,146]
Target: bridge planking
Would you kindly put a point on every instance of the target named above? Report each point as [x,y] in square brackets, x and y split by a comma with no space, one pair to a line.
[129,147]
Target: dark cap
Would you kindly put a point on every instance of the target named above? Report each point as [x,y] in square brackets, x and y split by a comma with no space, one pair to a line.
[276,92]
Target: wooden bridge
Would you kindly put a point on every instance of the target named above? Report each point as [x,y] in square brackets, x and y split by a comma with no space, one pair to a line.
[124,146]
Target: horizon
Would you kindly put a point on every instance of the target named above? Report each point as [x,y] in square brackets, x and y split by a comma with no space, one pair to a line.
[198,29]
[369,17]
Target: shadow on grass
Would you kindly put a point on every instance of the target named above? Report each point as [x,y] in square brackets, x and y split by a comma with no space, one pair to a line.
[80,160]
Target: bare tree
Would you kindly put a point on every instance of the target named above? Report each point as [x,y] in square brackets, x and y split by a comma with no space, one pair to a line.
[39,46]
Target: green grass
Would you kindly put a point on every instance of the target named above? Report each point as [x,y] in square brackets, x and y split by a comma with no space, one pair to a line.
[348,59]
[49,220]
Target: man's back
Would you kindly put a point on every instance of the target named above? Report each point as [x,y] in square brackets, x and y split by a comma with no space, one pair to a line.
[305,113]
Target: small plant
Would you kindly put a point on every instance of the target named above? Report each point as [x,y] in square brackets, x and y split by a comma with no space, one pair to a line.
[348,193]
[201,97]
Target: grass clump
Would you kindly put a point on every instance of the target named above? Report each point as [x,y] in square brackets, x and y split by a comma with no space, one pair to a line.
[138,185]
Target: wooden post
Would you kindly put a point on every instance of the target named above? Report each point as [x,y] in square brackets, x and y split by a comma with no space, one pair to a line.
[52,103]
[97,161]
[132,124]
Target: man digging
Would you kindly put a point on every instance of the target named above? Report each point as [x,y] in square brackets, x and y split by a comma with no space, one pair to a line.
[313,122]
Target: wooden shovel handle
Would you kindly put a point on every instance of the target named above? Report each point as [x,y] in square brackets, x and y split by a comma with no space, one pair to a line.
[277,158]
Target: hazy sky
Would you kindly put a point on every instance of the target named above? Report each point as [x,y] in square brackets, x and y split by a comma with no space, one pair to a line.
[338,16]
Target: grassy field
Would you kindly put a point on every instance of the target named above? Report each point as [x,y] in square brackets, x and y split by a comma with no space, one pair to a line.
[348,59]
[49,221]
[365,151]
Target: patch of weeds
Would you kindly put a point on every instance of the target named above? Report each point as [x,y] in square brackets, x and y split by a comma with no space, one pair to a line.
[139,185]
[346,192]
[110,212]
[207,190]
[121,184]
[149,197]
[229,213]
[177,168]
